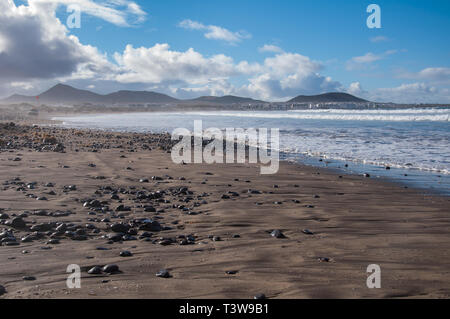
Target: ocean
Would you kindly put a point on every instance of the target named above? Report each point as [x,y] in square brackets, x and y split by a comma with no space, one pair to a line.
[414,143]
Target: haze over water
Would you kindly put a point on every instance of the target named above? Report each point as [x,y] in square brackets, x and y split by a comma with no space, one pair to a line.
[413,142]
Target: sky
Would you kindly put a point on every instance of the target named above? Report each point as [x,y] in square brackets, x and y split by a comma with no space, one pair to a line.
[270,50]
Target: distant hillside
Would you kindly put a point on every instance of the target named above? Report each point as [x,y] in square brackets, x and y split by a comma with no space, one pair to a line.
[138,97]
[327,98]
[17,98]
[227,99]
[65,94]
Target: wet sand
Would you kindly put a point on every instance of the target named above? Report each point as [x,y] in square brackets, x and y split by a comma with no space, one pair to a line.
[354,221]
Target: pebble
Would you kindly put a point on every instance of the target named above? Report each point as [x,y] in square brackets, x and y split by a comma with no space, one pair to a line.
[29,278]
[111,269]
[259,296]
[277,234]
[163,273]
[125,253]
[18,222]
[2,290]
[307,232]
[119,228]
[95,270]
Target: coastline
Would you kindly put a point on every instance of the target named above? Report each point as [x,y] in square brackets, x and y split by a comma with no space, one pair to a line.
[354,222]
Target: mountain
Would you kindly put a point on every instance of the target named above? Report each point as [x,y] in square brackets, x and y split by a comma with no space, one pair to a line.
[138,97]
[334,97]
[17,98]
[227,99]
[65,94]
[61,93]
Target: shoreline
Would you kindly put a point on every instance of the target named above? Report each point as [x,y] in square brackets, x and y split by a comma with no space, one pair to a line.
[404,177]
[425,180]
[334,227]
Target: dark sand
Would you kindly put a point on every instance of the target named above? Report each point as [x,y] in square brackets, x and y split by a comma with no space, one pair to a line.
[356,221]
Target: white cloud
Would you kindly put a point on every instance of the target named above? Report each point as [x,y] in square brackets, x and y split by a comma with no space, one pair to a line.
[355,88]
[215,32]
[159,64]
[23,85]
[379,38]
[37,46]
[118,12]
[287,75]
[439,75]
[282,76]
[360,62]
[418,92]
[270,48]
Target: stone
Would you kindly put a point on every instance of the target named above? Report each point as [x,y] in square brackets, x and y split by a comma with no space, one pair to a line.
[125,253]
[163,273]
[18,222]
[29,278]
[96,270]
[111,269]
[119,228]
[277,234]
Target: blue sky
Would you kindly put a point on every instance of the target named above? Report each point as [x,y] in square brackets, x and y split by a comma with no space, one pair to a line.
[326,43]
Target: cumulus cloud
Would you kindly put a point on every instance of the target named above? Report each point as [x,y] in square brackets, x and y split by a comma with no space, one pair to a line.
[215,32]
[159,64]
[355,88]
[287,75]
[36,46]
[283,76]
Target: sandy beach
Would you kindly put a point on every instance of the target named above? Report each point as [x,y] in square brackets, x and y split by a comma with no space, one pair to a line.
[86,197]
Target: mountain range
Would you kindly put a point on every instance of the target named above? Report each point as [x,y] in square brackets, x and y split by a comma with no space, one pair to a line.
[65,94]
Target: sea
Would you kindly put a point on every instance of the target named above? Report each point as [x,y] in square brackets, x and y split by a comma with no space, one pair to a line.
[414,143]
